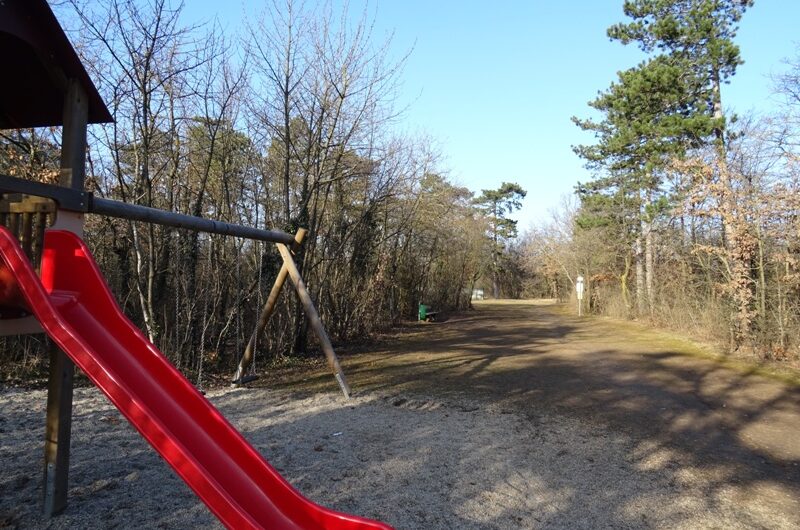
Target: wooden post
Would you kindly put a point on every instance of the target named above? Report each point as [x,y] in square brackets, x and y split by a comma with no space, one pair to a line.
[313,318]
[62,370]
[73,137]
[266,312]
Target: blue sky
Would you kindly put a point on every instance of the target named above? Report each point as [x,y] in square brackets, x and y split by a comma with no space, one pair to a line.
[495,83]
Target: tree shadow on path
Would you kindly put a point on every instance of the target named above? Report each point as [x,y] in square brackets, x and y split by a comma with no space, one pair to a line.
[736,432]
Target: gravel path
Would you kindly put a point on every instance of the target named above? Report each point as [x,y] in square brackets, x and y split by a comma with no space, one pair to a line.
[503,458]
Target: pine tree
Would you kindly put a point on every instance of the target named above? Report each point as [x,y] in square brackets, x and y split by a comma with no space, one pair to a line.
[648,121]
[695,34]
[497,204]
[665,106]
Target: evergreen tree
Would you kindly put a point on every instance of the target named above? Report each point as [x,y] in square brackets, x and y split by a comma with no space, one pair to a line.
[497,204]
[697,35]
[665,106]
[648,120]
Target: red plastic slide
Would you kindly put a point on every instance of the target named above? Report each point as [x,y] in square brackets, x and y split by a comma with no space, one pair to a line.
[75,307]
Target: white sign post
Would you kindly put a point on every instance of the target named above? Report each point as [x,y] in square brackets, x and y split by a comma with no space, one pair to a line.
[579,291]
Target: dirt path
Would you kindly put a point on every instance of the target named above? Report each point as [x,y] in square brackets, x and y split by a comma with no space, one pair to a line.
[731,433]
[516,415]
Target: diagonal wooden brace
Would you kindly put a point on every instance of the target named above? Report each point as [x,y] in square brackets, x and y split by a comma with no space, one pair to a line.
[263,318]
[313,318]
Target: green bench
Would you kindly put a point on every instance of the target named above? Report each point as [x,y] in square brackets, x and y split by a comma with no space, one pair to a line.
[425,314]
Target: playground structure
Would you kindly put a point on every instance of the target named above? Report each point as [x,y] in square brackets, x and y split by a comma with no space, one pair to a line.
[70,301]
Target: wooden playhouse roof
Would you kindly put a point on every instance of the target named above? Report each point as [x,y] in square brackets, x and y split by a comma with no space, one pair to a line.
[37,62]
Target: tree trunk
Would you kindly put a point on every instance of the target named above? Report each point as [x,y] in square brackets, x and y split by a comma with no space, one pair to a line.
[649,262]
[623,283]
[639,267]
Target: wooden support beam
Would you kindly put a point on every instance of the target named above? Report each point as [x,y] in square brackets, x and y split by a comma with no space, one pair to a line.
[266,312]
[73,137]
[60,383]
[58,431]
[313,318]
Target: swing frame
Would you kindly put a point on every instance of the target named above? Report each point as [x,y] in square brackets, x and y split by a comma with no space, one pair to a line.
[76,202]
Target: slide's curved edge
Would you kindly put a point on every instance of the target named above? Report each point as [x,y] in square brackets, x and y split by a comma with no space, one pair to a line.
[68,271]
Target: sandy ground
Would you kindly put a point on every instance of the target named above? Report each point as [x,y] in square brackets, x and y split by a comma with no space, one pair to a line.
[478,422]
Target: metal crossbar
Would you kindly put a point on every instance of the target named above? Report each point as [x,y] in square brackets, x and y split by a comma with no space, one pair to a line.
[85,202]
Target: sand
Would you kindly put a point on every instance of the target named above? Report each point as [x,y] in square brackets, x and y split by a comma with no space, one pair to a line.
[412,461]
